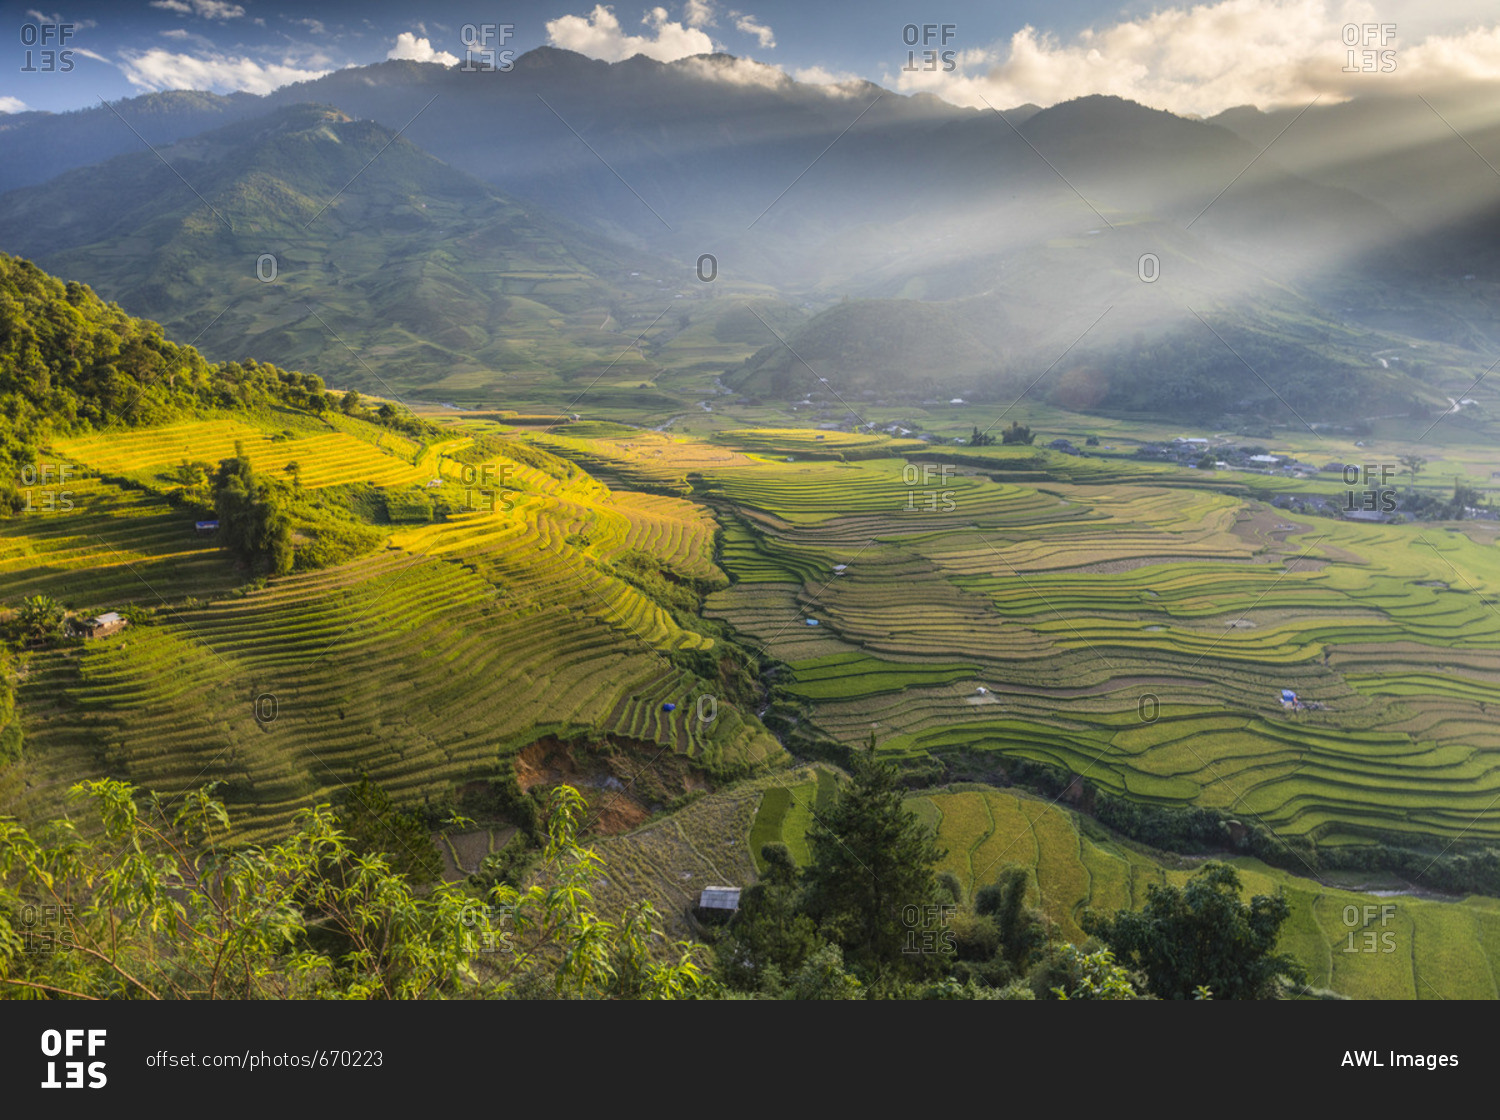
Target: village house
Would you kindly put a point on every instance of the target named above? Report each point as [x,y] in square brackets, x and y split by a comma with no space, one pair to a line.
[102,626]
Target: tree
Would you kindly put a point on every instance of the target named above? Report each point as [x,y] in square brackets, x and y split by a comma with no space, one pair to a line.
[1413,465]
[1093,976]
[1465,497]
[376,825]
[1017,433]
[870,884]
[350,404]
[1024,931]
[40,617]
[980,439]
[137,614]
[157,904]
[10,723]
[252,521]
[824,977]
[1202,935]
[770,938]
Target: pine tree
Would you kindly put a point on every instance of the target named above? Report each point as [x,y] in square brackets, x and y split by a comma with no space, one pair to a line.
[870,884]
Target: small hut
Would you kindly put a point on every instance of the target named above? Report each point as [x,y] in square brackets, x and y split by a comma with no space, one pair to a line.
[718,904]
[102,626]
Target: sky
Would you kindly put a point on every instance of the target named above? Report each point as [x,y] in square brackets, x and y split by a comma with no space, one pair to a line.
[1186,58]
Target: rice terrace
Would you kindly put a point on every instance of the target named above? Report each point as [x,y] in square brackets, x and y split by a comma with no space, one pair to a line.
[1060,562]
[1127,630]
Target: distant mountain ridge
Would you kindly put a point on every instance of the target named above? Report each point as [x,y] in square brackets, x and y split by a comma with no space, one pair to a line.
[1004,226]
[314,239]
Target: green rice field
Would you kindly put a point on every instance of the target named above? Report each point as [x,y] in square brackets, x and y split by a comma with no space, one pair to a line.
[1357,944]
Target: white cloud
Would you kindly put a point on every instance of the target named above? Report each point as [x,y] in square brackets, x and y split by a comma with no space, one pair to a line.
[183,35]
[408,46]
[207,9]
[833,83]
[749,25]
[818,76]
[737,71]
[159,69]
[12,104]
[316,26]
[699,13]
[599,35]
[56,18]
[1205,59]
[1472,55]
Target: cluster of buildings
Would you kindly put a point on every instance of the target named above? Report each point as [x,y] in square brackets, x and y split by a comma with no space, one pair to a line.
[1189,451]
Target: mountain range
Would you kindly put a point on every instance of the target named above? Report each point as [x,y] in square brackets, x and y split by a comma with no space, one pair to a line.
[477,235]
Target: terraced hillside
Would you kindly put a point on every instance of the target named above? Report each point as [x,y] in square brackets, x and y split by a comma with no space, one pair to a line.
[1119,623]
[96,543]
[423,665]
[329,452]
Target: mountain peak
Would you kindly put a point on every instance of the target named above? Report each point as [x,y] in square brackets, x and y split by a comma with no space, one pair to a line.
[1101,113]
[556,58]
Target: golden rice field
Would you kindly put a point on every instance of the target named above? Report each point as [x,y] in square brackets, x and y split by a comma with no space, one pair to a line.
[102,545]
[422,665]
[326,458]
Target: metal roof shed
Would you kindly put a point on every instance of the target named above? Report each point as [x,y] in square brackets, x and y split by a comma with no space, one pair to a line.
[719,898]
